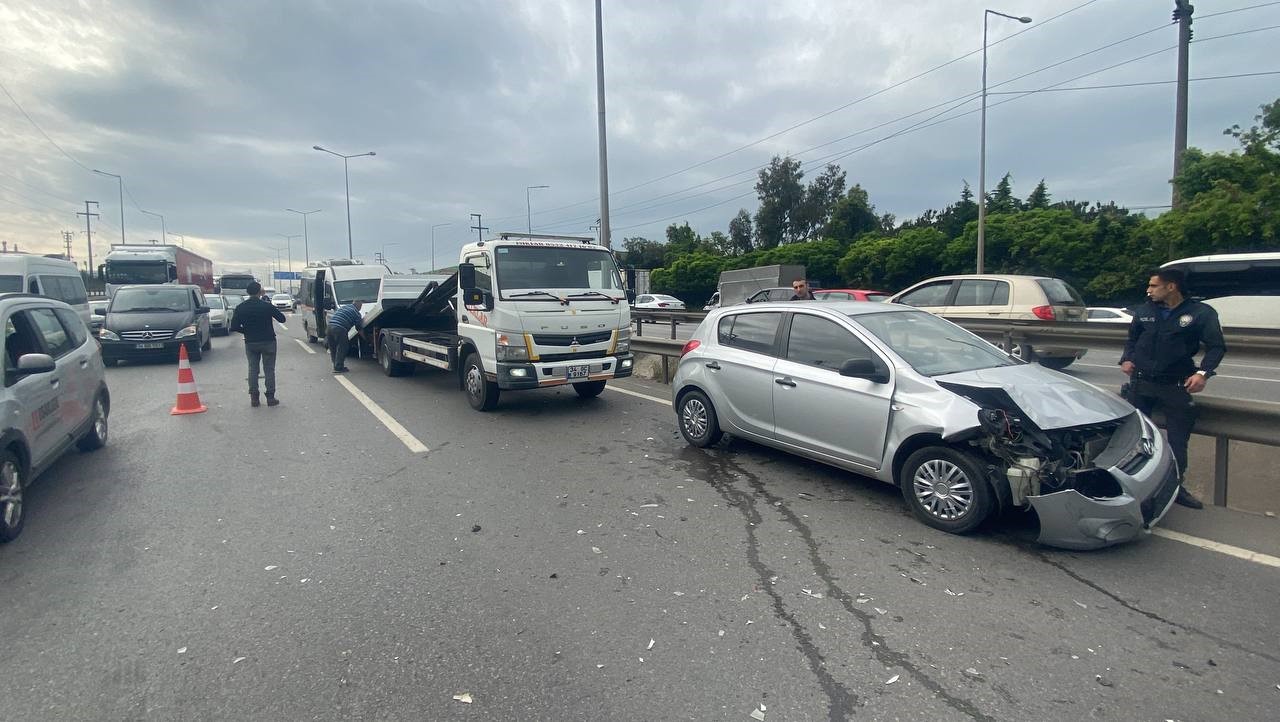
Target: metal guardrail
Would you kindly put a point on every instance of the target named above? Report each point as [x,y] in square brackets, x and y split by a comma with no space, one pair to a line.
[1224,420]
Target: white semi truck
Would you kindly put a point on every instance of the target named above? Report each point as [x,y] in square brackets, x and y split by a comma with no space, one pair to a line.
[524,311]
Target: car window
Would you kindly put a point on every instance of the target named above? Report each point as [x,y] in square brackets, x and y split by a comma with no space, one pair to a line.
[981,292]
[33,286]
[933,294]
[10,284]
[1059,292]
[644,299]
[74,325]
[19,340]
[781,294]
[882,297]
[213,301]
[69,289]
[819,342]
[56,339]
[833,296]
[1102,314]
[481,262]
[750,331]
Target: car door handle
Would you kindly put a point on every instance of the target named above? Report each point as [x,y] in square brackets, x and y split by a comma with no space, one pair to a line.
[785,382]
[714,366]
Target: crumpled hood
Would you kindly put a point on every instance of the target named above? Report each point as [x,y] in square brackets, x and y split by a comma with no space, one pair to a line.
[1050,399]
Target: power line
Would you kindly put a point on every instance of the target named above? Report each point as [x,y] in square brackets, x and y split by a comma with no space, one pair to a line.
[33,200]
[1135,85]
[37,188]
[1237,10]
[18,105]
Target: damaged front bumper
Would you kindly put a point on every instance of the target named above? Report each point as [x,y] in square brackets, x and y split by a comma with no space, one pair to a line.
[1149,482]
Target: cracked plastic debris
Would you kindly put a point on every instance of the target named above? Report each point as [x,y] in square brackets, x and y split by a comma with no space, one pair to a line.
[811,593]
[182,650]
[863,600]
[757,715]
[463,697]
[596,550]
[972,672]
[238,660]
[270,567]
[1082,605]
[880,611]
[892,679]
[651,643]
[1104,681]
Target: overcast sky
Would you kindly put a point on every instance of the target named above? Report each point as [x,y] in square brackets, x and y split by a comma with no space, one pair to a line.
[209,110]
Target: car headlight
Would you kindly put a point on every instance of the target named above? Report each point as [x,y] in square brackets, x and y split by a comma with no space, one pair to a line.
[187,332]
[624,340]
[511,348]
[108,335]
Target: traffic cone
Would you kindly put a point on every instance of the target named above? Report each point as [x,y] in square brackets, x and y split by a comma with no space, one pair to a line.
[188,396]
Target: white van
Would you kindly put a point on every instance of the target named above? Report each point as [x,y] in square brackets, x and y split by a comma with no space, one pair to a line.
[1244,288]
[45,276]
[334,283]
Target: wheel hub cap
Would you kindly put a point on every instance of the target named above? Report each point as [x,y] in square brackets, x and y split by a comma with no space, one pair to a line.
[694,418]
[943,489]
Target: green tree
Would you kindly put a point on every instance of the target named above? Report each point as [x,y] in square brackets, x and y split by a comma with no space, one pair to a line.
[1001,200]
[681,240]
[1264,135]
[852,216]
[692,278]
[781,199]
[820,199]
[740,232]
[643,253]
[1039,198]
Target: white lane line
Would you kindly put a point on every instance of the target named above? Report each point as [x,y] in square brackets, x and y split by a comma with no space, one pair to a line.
[1220,376]
[304,346]
[415,446]
[665,402]
[1213,546]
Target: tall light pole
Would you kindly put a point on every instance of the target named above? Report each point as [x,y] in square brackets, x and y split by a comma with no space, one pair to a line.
[982,153]
[181,239]
[164,234]
[277,266]
[433,243]
[604,151]
[347,178]
[288,240]
[528,209]
[120,188]
[306,242]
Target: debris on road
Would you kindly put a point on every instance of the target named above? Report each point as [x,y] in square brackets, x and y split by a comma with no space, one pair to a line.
[651,643]
[758,714]
[972,672]
[1104,681]
[1082,605]
[811,593]
[581,532]
[270,567]
[475,528]
[892,679]
[880,611]
[596,550]
[463,697]
[648,506]
[554,575]
[238,660]
[862,600]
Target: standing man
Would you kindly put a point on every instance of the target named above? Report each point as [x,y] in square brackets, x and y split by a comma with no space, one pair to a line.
[802,292]
[1159,357]
[341,321]
[253,318]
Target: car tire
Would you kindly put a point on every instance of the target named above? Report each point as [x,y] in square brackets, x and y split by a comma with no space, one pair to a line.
[482,393]
[1057,363]
[1020,351]
[96,437]
[697,418]
[390,366]
[945,489]
[589,389]
[12,513]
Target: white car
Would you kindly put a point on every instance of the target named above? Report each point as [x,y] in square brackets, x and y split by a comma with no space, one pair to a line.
[1099,314]
[658,302]
[283,301]
[219,316]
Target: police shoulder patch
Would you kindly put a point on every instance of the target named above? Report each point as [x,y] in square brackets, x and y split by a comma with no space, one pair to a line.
[1185,320]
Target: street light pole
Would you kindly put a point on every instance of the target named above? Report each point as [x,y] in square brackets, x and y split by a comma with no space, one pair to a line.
[528,209]
[164,234]
[347,179]
[288,240]
[433,243]
[120,188]
[982,153]
[604,150]
[306,242]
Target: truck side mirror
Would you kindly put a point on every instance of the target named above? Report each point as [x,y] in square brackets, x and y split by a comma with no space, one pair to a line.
[466,276]
[477,298]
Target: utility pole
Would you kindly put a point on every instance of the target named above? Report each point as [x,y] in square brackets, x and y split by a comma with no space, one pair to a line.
[66,239]
[88,230]
[478,228]
[1182,11]
[604,150]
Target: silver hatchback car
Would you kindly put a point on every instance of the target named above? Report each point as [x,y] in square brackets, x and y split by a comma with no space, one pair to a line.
[906,397]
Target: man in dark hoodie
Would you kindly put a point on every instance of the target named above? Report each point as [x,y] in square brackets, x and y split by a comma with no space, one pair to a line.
[253,318]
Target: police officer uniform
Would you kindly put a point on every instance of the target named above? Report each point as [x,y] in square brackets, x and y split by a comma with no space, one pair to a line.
[1162,345]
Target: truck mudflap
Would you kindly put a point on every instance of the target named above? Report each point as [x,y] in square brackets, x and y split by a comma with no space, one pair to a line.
[534,375]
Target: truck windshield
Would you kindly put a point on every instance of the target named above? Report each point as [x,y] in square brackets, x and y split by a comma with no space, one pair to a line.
[122,272]
[361,289]
[587,268]
[236,283]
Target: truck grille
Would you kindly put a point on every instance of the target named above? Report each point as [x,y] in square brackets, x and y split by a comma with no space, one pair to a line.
[146,335]
[583,355]
[581,339]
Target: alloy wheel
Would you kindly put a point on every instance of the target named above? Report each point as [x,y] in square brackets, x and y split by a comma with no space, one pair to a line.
[943,489]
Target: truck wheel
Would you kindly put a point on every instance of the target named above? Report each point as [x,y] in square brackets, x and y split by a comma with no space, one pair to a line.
[11,512]
[482,393]
[589,389]
[390,366]
[946,489]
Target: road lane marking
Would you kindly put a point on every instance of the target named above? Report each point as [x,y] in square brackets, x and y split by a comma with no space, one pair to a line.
[664,402]
[304,346]
[1220,376]
[415,446]
[1213,546]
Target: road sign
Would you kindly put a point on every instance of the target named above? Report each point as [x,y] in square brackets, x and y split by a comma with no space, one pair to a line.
[287,275]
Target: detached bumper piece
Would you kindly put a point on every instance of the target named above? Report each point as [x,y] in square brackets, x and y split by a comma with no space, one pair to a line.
[1071,520]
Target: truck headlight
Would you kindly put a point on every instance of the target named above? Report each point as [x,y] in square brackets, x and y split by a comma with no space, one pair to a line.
[511,348]
[187,332]
[108,335]
[624,340]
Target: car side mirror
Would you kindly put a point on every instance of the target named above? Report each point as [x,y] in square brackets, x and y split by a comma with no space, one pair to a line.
[864,368]
[477,298]
[466,276]
[35,363]
[99,311]
[631,295]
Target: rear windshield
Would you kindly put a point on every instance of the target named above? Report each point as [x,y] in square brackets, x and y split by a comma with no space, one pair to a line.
[878,297]
[1059,293]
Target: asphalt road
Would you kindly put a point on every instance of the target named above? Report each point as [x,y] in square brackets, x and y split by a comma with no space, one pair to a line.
[568,559]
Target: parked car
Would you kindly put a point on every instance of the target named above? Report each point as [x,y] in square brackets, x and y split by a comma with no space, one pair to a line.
[54,395]
[284,302]
[851,294]
[219,315]
[1012,298]
[152,321]
[914,400]
[1110,315]
[777,293]
[658,301]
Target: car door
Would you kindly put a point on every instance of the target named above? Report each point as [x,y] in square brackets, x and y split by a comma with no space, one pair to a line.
[84,363]
[979,298]
[931,297]
[740,377]
[818,410]
[72,371]
[37,395]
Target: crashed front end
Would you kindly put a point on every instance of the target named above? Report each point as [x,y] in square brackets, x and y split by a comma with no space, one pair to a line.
[1091,485]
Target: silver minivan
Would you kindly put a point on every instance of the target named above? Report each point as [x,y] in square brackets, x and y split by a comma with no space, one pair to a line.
[909,398]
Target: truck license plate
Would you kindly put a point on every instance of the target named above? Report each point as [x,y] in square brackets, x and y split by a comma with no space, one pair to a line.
[149,345]
[579,372]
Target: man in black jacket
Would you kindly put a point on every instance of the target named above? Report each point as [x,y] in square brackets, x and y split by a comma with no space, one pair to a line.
[253,318]
[1164,337]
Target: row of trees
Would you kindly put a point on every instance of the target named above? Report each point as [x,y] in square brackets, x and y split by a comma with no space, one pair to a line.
[1230,203]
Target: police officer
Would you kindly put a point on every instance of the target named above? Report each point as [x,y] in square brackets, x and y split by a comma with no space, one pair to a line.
[1159,357]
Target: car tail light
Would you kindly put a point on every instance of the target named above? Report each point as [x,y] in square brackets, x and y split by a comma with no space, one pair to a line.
[1044,312]
[693,343]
